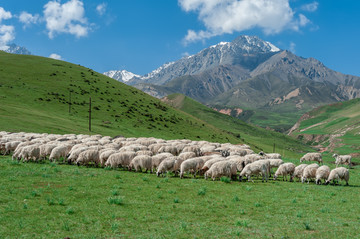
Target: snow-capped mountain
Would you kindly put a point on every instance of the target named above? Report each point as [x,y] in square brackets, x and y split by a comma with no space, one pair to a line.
[123,75]
[248,51]
[15,49]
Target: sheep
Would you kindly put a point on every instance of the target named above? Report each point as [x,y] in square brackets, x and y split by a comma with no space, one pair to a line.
[258,167]
[309,172]
[250,158]
[144,152]
[342,159]
[11,146]
[193,148]
[105,155]
[59,151]
[340,173]
[167,165]
[192,165]
[71,157]
[284,170]
[141,162]
[30,152]
[238,151]
[210,162]
[121,159]
[220,169]
[187,155]
[274,163]
[88,156]
[45,150]
[298,171]
[168,149]
[311,157]
[322,173]
[270,156]
[157,159]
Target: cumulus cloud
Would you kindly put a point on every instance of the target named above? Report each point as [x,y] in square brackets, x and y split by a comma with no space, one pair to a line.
[66,18]
[27,18]
[55,56]
[101,8]
[228,16]
[7,33]
[303,21]
[311,7]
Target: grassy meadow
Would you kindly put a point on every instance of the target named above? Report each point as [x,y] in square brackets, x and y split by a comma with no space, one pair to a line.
[53,200]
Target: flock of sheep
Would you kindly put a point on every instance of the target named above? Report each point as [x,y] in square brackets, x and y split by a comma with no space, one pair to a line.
[212,160]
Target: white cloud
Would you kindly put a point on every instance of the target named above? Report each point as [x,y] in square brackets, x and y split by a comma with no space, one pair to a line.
[66,18]
[303,21]
[7,33]
[4,14]
[28,18]
[311,7]
[228,16]
[101,8]
[55,56]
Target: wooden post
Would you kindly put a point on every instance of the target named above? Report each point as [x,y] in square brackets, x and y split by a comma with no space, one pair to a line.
[274,148]
[90,114]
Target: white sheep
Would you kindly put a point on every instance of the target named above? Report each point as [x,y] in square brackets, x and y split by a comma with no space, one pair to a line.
[342,159]
[311,157]
[274,163]
[258,167]
[157,159]
[11,146]
[168,149]
[221,169]
[30,152]
[192,148]
[191,165]
[144,152]
[270,155]
[309,172]
[340,173]
[210,162]
[45,150]
[299,170]
[285,170]
[105,155]
[250,158]
[141,162]
[88,156]
[187,155]
[74,154]
[59,151]
[167,165]
[322,173]
[121,159]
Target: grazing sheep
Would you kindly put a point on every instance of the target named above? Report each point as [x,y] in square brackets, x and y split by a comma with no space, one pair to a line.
[59,151]
[74,154]
[191,165]
[298,172]
[322,173]
[311,157]
[167,165]
[30,152]
[258,167]
[168,149]
[285,170]
[250,158]
[88,156]
[141,162]
[121,159]
[309,172]
[270,156]
[11,146]
[157,159]
[340,173]
[187,155]
[220,169]
[144,152]
[105,155]
[45,150]
[210,162]
[342,159]
[192,148]
[274,163]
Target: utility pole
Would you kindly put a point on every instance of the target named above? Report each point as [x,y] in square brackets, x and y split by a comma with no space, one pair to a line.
[90,114]
[274,148]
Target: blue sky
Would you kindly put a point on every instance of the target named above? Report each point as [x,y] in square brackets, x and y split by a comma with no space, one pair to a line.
[141,35]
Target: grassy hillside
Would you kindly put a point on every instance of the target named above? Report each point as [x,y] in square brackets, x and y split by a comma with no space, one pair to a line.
[35,95]
[82,202]
[257,137]
[335,126]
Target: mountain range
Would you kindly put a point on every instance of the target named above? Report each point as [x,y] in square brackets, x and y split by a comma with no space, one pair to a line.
[15,49]
[269,86]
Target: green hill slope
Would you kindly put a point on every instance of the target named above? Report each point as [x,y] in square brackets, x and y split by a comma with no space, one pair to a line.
[335,127]
[35,94]
[257,137]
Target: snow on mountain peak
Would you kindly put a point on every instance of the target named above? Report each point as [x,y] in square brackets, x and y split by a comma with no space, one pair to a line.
[154,72]
[123,75]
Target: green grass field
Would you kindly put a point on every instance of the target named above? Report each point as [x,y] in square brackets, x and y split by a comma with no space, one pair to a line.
[48,200]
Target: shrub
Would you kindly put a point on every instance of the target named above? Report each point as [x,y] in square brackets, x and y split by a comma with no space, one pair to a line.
[116,200]
[202,191]
[225,179]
